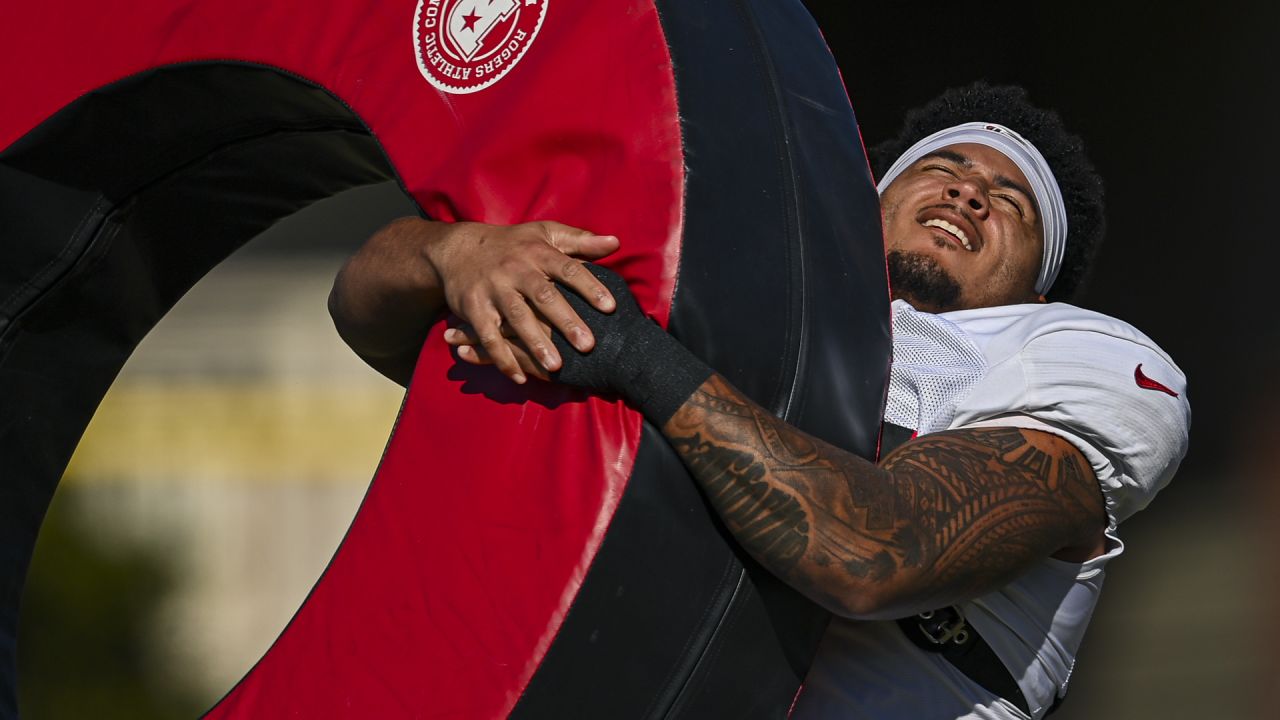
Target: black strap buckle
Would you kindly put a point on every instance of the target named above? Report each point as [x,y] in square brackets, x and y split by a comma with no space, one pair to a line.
[943,626]
[947,633]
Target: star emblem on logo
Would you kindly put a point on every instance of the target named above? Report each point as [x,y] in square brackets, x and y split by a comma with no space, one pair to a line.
[464,46]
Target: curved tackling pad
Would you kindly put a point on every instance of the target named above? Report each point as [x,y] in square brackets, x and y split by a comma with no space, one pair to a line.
[521,551]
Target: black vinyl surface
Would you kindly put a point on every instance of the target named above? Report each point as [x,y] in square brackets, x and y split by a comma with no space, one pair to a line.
[781,289]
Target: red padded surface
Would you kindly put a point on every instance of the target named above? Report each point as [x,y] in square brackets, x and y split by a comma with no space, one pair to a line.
[486,511]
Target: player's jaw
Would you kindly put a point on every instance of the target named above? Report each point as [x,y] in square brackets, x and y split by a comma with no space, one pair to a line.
[922,281]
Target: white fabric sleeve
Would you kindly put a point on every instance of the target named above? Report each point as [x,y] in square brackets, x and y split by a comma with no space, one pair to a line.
[1084,386]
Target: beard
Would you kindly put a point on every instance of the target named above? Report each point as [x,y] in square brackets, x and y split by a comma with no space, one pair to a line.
[920,280]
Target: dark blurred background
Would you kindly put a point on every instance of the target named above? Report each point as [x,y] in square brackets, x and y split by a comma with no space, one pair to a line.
[271,429]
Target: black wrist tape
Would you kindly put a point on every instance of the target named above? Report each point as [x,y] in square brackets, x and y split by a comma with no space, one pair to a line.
[656,373]
[633,356]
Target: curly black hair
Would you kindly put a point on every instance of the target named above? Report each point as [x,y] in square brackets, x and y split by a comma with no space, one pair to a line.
[1008,105]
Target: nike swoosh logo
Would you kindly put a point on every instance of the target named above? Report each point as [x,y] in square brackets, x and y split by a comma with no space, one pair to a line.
[1148,383]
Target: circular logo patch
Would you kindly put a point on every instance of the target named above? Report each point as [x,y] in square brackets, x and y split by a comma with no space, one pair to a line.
[467,45]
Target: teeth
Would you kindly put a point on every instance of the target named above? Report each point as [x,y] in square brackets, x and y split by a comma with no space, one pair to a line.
[964,240]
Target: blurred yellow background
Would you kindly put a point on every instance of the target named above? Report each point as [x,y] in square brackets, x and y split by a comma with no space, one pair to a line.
[233,450]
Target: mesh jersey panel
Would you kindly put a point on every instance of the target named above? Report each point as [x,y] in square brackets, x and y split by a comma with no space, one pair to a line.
[935,365]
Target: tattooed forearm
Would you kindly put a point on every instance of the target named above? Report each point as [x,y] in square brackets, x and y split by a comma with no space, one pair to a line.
[768,520]
[945,517]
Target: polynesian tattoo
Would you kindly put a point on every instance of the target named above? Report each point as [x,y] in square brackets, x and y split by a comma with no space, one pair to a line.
[943,518]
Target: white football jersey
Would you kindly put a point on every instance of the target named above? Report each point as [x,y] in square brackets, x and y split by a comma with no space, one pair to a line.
[1089,378]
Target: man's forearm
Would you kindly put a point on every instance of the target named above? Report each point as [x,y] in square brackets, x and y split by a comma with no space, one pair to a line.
[386,297]
[955,515]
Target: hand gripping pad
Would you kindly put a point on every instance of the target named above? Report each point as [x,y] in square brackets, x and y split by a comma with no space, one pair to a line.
[521,551]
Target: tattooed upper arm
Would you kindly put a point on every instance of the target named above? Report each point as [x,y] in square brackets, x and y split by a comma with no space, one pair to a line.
[988,503]
[945,517]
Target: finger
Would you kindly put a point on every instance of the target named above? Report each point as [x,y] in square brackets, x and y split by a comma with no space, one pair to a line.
[499,350]
[467,343]
[578,278]
[578,242]
[464,334]
[474,355]
[529,365]
[479,356]
[521,320]
[552,306]
[459,336]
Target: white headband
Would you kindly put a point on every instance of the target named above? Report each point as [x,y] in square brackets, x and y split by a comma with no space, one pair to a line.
[1053,213]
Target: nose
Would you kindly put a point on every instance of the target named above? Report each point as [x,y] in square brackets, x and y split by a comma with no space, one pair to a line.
[970,194]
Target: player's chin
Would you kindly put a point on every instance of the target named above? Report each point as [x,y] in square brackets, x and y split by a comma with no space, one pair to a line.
[926,280]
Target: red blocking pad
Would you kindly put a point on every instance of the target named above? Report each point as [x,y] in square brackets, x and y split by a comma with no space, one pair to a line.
[479,525]
[525,551]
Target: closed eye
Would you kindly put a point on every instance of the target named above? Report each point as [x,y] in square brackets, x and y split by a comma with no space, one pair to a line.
[1014,202]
